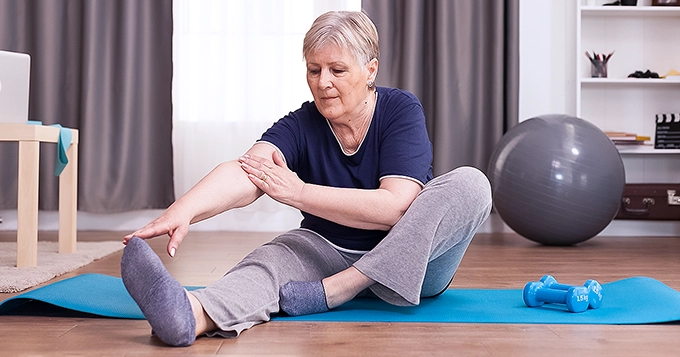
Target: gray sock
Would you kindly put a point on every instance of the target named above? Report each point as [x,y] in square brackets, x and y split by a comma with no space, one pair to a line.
[302,298]
[160,297]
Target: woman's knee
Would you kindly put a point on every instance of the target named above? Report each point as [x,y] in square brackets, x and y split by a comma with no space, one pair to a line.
[465,184]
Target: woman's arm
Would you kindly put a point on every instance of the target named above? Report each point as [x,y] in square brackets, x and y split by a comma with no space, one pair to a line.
[377,209]
[224,188]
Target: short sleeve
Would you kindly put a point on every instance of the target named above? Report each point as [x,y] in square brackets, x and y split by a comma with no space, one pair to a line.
[405,148]
[288,135]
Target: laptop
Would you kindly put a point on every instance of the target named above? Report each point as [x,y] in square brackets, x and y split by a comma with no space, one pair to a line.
[15,71]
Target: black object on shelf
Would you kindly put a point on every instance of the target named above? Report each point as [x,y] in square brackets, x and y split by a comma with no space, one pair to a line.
[640,74]
[667,131]
[623,3]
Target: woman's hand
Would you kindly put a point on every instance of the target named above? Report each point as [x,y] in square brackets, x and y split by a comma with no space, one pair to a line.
[168,224]
[273,177]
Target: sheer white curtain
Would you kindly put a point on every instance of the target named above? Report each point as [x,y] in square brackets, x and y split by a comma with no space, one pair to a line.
[237,69]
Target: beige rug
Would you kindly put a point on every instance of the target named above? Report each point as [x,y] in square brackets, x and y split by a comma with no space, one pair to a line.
[50,263]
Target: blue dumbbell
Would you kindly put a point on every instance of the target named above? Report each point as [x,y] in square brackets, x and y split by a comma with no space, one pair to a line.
[536,294]
[594,289]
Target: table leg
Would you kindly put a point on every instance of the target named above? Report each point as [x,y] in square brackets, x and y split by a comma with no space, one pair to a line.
[68,202]
[27,205]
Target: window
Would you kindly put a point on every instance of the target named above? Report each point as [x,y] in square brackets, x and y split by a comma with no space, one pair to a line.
[237,69]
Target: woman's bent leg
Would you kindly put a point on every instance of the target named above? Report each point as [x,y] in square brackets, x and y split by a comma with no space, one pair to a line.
[423,250]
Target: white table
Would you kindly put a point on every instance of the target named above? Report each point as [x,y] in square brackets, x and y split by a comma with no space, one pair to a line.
[29,138]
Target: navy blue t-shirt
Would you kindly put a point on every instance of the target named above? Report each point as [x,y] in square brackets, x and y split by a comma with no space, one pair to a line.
[396,145]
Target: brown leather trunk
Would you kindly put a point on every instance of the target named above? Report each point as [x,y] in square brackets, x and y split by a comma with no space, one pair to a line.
[650,201]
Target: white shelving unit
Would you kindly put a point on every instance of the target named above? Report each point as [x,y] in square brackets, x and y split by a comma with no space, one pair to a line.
[642,37]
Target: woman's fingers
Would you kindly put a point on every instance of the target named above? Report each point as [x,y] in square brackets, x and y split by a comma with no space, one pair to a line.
[255,162]
[160,227]
[272,177]
[259,169]
[149,231]
[176,238]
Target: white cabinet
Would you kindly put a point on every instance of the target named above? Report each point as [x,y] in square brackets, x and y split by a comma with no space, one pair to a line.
[642,38]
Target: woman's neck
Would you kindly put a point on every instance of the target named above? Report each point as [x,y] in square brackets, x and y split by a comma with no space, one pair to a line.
[351,132]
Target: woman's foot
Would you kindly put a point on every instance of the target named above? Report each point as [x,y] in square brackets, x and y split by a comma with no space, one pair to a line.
[161,298]
[311,297]
[302,298]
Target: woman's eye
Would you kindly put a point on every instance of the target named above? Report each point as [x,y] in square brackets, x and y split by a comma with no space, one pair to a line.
[313,71]
[338,70]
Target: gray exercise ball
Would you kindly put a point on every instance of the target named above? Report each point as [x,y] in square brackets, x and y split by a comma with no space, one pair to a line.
[556,179]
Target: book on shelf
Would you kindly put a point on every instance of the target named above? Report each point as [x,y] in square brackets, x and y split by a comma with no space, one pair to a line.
[624,138]
[631,143]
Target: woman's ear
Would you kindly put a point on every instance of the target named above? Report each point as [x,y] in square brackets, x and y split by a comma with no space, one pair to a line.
[372,67]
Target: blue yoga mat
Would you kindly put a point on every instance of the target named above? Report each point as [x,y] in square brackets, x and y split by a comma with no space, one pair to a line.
[638,300]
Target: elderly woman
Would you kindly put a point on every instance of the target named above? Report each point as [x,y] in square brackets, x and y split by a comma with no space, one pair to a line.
[357,163]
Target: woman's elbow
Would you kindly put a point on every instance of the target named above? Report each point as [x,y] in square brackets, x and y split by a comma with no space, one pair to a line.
[402,193]
[394,215]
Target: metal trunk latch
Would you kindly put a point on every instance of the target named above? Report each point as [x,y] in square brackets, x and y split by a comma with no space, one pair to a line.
[672,198]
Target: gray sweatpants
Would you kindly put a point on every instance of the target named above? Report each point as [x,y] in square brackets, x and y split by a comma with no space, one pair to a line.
[417,258]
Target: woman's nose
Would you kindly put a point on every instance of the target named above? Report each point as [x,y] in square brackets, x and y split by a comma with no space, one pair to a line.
[325,79]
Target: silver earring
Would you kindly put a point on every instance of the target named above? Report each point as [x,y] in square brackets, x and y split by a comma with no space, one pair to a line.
[371,84]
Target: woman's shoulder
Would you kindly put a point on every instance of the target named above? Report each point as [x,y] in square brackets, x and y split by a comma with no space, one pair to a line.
[396,96]
[397,108]
[306,112]
[306,109]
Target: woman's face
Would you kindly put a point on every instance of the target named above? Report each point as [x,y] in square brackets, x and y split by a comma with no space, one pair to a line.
[338,83]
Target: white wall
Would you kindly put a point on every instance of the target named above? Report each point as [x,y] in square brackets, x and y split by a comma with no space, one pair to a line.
[547,35]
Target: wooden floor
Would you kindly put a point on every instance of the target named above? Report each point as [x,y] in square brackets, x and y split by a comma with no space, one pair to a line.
[493,261]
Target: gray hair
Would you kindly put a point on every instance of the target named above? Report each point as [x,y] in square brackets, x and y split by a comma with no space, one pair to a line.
[347,29]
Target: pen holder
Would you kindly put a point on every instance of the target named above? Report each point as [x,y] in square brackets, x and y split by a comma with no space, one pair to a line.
[598,69]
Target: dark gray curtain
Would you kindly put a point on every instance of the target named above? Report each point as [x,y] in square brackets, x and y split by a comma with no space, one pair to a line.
[105,68]
[461,58]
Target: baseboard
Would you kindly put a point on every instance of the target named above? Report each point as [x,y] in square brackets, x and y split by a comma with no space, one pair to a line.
[617,228]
